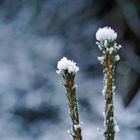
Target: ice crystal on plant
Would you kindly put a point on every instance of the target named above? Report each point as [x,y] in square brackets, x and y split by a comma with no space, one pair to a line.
[117,57]
[106,33]
[76,126]
[103,114]
[119,46]
[114,87]
[111,118]
[117,128]
[65,64]
[110,50]
[68,131]
[105,43]
[103,91]
[101,59]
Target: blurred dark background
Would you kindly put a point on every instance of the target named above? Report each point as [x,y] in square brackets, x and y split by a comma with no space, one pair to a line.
[34,35]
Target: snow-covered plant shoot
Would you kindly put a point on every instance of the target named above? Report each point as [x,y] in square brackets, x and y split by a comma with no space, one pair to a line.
[106,41]
[68,69]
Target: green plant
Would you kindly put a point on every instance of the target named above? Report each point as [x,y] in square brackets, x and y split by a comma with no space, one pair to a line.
[107,44]
[106,41]
[68,69]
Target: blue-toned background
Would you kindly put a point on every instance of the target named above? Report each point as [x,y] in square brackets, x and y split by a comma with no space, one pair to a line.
[34,35]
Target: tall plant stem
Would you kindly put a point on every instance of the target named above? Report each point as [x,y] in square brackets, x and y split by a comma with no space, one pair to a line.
[106,41]
[109,105]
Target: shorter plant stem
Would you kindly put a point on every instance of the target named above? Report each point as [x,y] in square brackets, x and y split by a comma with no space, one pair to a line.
[109,105]
[73,107]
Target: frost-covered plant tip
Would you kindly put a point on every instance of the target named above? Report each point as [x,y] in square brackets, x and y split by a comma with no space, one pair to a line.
[68,69]
[65,64]
[106,41]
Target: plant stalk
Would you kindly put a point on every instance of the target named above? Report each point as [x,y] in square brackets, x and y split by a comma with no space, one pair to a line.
[109,105]
[73,107]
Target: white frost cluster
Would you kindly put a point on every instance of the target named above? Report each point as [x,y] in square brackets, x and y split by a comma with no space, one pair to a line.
[104,114]
[76,126]
[117,57]
[110,50]
[65,64]
[117,129]
[101,59]
[117,47]
[106,33]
